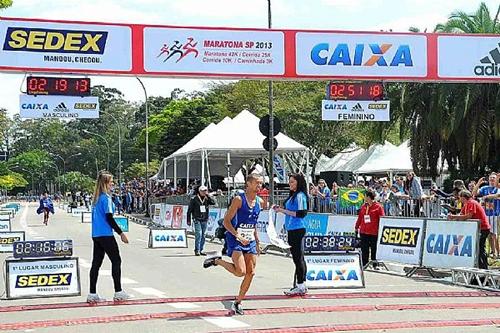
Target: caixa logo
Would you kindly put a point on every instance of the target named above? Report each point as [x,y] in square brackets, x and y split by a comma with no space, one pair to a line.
[331,275]
[323,54]
[452,245]
[169,238]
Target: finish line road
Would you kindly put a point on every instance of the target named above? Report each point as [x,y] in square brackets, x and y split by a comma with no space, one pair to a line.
[173,293]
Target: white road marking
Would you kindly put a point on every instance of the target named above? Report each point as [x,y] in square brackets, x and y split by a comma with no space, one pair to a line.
[225,322]
[126,280]
[141,240]
[184,305]
[150,292]
[84,263]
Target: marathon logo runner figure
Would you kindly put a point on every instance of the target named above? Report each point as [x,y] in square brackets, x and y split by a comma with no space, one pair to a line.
[242,238]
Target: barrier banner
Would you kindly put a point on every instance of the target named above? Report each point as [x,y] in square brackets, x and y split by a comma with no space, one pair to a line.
[213,217]
[341,225]
[167,238]
[8,238]
[184,218]
[4,224]
[86,217]
[8,211]
[336,270]
[167,211]
[156,216]
[34,278]
[122,222]
[280,227]
[316,224]
[400,240]
[451,244]
[177,216]
[76,212]
[271,234]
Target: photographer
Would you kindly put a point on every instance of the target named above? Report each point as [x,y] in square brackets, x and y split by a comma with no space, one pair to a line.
[198,209]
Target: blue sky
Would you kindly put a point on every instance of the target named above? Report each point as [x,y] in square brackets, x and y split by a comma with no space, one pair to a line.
[354,15]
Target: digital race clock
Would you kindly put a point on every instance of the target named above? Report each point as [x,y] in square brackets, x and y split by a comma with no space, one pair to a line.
[44,85]
[329,243]
[361,91]
[47,248]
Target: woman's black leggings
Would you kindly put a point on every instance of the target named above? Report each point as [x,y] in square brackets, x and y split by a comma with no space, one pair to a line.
[106,245]
[295,241]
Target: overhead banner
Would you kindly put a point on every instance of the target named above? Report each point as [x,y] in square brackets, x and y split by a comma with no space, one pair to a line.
[356,110]
[8,238]
[451,244]
[66,107]
[212,51]
[481,61]
[4,224]
[337,270]
[400,240]
[167,238]
[33,278]
[64,46]
[376,55]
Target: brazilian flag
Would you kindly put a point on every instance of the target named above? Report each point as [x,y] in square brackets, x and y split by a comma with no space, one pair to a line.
[351,197]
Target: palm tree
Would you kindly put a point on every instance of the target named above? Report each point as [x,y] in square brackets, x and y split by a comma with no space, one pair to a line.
[460,122]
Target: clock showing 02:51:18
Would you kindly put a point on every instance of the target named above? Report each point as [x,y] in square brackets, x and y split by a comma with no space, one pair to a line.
[45,248]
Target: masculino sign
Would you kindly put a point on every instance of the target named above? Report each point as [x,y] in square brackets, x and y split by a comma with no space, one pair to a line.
[168,238]
[338,270]
[8,238]
[361,54]
[400,240]
[356,110]
[67,107]
[213,51]
[481,61]
[31,278]
[449,245]
[64,46]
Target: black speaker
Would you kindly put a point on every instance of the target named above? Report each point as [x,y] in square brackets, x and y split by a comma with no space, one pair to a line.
[342,178]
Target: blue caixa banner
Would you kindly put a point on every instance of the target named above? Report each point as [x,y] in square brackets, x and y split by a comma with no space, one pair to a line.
[316,224]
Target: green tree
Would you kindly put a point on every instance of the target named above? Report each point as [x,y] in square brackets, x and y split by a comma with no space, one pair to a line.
[5,3]
[76,181]
[138,169]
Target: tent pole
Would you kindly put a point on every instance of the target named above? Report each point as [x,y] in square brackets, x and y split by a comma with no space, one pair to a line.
[307,169]
[208,172]
[202,168]
[187,172]
[164,171]
[175,173]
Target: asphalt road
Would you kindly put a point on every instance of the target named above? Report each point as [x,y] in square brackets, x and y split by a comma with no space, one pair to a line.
[173,293]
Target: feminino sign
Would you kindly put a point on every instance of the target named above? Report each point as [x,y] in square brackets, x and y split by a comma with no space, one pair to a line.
[356,110]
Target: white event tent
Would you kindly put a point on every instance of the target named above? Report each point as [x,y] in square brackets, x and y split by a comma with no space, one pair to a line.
[231,141]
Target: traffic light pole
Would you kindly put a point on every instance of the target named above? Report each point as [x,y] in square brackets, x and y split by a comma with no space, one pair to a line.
[271,123]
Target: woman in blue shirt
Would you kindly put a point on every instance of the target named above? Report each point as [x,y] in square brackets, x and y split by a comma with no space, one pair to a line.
[242,238]
[296,207]
[103,225]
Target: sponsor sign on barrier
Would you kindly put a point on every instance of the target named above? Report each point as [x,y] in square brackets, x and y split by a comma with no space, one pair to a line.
[4,225]
[167,215]
[316,224]
[76,212]
[8,211]
[400,240]
[177,216]
[86,217]
[122,222]
[33,278]
[341,224]
[336,270]
[157,214]
[271,235]
[213,217]
[8,238]
[67,107]
[168,238]
[449,245]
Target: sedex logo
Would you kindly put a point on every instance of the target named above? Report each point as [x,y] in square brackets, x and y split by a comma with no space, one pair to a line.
[50,40]
[400,236]
[331,275]
[43,280]
[9,240]
[452,245]
[490,65]
[321,55]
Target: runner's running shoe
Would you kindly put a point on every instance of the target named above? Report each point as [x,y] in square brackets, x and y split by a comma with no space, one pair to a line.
[236,308]
[296,291]
[209,262]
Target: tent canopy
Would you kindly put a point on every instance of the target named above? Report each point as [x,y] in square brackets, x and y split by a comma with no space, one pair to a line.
[337,162]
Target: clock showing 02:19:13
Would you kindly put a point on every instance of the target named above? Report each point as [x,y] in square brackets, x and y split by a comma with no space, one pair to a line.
[46,248]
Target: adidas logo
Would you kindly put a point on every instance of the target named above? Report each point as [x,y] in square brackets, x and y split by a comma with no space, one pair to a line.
[357,108]
[492,64]
[61,108]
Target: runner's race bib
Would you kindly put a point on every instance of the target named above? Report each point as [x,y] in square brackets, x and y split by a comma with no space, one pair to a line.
[367,219]
[247,233]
